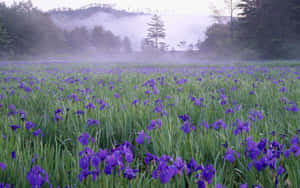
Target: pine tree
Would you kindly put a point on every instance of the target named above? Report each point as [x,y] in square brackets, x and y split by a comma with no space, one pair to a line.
[156,31]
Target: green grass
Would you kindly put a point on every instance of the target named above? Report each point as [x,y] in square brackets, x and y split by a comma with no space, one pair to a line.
[57,151]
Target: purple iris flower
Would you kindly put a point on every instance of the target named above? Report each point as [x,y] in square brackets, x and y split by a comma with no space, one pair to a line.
[184,117]
[103,105]
[252,149]
[29,125]
[294,148]
[84,139]
[229,111]
[12,110]
[141,137]
[149,157]
[240,127]
[22,114]
[207,173]
[130,173]
[204,124]
[37,176]
[91,122]
[79,112]
[229,155]
[164,171]
[117,95]
[219,123]
[13,154]
[37,133]
[154,124]
[2,166]
[90,106]
[187,127]
[134,102]
[14,127]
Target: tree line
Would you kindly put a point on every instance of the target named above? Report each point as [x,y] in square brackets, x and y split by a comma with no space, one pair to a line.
[266,29]
[26,31]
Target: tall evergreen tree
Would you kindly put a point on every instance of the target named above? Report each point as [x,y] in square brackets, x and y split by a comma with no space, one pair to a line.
[156,31]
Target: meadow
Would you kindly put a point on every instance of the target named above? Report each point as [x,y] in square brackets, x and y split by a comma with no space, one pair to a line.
[88,125]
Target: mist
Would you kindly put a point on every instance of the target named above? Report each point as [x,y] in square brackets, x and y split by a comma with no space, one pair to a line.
[103,33]
[179,27]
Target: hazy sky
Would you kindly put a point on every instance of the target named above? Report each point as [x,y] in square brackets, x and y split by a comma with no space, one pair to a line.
[201,7]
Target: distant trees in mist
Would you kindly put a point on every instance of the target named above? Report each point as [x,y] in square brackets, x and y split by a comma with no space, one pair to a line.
[27,31]
[154,40]
[266,29]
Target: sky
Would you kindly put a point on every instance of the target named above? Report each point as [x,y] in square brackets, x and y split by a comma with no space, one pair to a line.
[200,7]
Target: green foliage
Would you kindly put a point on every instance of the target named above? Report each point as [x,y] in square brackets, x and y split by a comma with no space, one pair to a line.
[265,29]
[26,31]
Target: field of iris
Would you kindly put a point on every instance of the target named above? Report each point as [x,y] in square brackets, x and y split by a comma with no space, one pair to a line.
[76,125]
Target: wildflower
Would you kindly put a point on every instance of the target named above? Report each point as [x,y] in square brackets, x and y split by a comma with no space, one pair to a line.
[117,95]
[91,122]
[191,166]
[22,114]
[154,124]
[84,163]
[135,102]
[229,155]
[187,127]
[14,127]
[37,176]
[207,173]
[29,125]
[130,173]
[163,170]
[141,137]
[84,139]
[241,126]
[103,105]
[12,110]
[204,124]
[79,112]
[13,154]
[2,166]
[294,147]
[74,97]
[219,123]
[253,115]
[149,157]
[90,106]
[252,149]
[3,136]
[37,133]
[184,117]
[229,111]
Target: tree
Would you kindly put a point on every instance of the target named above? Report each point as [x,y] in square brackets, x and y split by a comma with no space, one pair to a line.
[97,37]
[231,6]
[217,39]
[127,45]
[5,41]
[263,26]
[156,31]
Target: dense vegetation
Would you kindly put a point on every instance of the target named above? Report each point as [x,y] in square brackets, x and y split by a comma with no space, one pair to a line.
[266,29]
[94,126]
[26,31]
